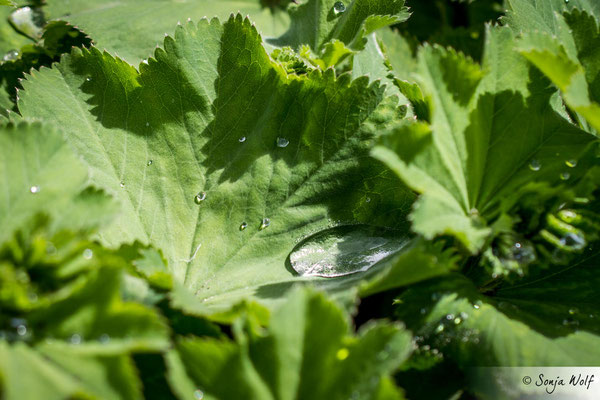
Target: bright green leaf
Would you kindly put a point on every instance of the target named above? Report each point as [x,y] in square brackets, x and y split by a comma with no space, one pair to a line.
[487,127]
[306,352]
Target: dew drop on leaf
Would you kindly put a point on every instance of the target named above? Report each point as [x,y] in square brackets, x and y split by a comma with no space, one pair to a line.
[21,330]
[34,189]
[282,142]
[149,163]
[535,165]
[122,184]
[104,338]
[200,197]
[565,176]
[574,241]
[339,7]
[368,199]
[343,250]
[198,394]
[243,226]
[147,124]
[242,139]
[571,163]
[88,254]
[88,79]
[10,55]
[75,339]
[265,223]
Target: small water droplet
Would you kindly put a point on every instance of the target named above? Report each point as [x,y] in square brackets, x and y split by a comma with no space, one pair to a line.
[574,241]
[147,124]
[568,216]
[457,321]
[368,199]
[570,322]
[200,197]
[339,7]
[476,306]
[439,328]
[573,311]
[122,184]
[566,1]
[34,189]
[88,254]
[243,226]
[198,394]
[242,139]
[342,354]
[282,142]
[11,55]
[535,165]
[565,176]
[21,330]
[104,338]
[75,339]
[450,317]
[423,311]
[265,223]
[571,163]
[149,163]
[88,79]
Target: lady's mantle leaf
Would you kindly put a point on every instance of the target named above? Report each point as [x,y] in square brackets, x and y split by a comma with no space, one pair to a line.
[306,352]
[219,158]
[488,132]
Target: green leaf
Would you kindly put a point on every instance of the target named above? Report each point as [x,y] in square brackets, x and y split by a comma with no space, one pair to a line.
[577,80]
[40,173]
[317,22]
[6,3]
[485,130]
[57,371]
[307,340]
[550,319]
[132,30]
[198,167]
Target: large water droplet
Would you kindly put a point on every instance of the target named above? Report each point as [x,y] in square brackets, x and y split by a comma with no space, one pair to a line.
[571,163]
[344,250]
[339,7]
[535,165]
[282,142]
[34,189]
[265,223]
[11,55]
[198,394]
[200,197]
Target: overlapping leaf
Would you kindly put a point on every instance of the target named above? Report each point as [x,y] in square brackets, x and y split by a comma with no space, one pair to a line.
[60,294]
[487,133]
[293,358]
[316,23]
[546,320]
[132,30]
